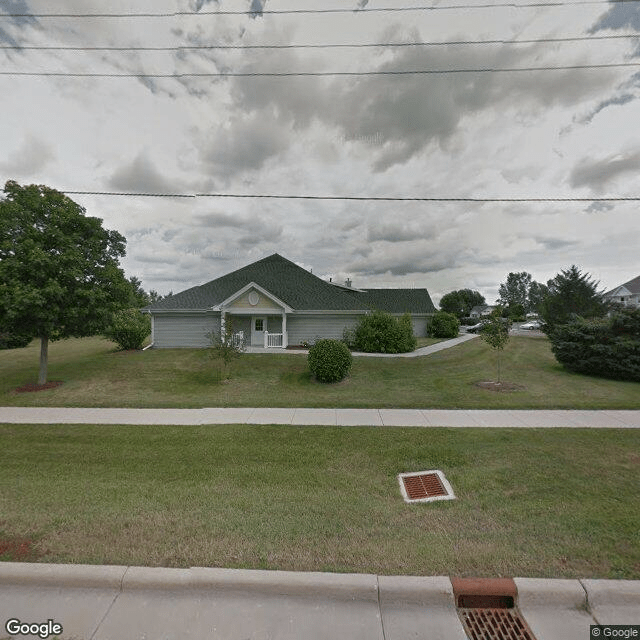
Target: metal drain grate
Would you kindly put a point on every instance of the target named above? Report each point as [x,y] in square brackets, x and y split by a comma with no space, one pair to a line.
[425,486]
[487,609]
[494,624]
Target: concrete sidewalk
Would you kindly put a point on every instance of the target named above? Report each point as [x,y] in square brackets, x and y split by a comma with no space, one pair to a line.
[509,418]
[139,603]
[422,351]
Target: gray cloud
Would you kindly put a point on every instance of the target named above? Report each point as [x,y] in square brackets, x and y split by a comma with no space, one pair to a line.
[16,7]
[553,244]
[398,116]
[616,101]
[404,261]
[29,159]
[257,229]
[599,207]
[398,232]
[245,145]
[597,173]
[141,175]
[619,16]
[256,8]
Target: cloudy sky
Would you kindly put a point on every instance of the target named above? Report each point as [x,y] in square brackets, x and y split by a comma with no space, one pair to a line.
[568,133]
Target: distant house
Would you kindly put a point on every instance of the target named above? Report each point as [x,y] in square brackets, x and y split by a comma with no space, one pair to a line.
[275,303]
[481,310]
[627,294]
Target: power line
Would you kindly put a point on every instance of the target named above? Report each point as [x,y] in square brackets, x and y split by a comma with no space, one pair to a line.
[508,5]
[286,74]
[325,46]
[352,198]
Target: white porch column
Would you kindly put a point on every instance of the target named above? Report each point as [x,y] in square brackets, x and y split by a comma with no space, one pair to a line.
[266,338]
[284,330]
[222,325]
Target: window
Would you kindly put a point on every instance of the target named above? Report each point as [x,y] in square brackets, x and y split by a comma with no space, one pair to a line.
[259,324]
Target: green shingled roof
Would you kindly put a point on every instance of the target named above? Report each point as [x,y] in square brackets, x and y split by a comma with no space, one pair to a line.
[298,288]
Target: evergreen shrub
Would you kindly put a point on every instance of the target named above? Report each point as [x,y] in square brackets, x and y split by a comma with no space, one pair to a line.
[607,347]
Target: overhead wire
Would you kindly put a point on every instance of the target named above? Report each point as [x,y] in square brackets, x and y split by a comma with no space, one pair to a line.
[361,11]
[325,46]
[353,198]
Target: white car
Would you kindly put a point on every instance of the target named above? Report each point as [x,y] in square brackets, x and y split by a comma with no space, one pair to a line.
[534,324]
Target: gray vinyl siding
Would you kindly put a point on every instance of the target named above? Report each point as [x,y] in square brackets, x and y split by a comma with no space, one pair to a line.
[184,329]
[420,325]
[308,328]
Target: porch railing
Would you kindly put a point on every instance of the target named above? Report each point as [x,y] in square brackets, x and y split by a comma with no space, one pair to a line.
[273,339]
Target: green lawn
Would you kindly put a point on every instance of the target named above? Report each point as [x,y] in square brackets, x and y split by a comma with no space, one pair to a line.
[96,375]
[560,503]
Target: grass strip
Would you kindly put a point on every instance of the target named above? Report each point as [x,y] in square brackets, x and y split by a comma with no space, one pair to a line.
[534,502]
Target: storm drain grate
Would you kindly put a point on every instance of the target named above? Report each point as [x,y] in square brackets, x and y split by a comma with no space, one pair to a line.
[487,609]
[425,486]
[494,624]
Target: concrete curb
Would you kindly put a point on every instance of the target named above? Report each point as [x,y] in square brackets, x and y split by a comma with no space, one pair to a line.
[71,576]
[613,601]
[340,586]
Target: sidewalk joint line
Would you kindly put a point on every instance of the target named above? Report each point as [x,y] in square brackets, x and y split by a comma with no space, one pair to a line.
[587,603]
[108,611]
[384,637]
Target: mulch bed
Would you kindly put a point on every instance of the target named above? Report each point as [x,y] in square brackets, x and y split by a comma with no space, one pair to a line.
[18,550]
[31,387]
[499,386]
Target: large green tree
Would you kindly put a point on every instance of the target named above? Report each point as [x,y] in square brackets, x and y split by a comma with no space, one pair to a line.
[59,269]
[571,294]
[461,301]
[515,291]
[521,293]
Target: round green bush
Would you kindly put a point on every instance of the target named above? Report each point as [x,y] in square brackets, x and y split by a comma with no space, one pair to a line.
[329,360]
[443,325]
[129,328]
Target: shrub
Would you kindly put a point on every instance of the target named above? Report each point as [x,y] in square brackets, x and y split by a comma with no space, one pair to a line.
[329,360]
[13,340]
[129,328]
[408,341]
[349,338]
[443,325]
[380,332]
[607,347]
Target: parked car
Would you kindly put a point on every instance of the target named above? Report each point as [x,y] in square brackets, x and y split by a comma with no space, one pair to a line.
[533,325]
[476,328]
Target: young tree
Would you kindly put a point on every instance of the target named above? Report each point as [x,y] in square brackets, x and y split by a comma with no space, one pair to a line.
[59,270]
[496,333]
[571,294]
[224,347]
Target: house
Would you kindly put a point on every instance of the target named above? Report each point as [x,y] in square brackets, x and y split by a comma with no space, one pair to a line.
[627,294]
[481,310]
[276,303]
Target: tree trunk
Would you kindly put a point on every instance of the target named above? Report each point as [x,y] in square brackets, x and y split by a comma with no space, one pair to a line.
[44,354]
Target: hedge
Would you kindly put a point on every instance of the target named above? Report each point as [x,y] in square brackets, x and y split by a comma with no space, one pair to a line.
[380,332]
[608,347]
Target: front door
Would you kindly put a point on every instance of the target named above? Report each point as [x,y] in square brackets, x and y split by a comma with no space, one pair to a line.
[258,327]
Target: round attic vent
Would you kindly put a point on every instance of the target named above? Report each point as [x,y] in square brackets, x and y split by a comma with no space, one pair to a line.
[254,298]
